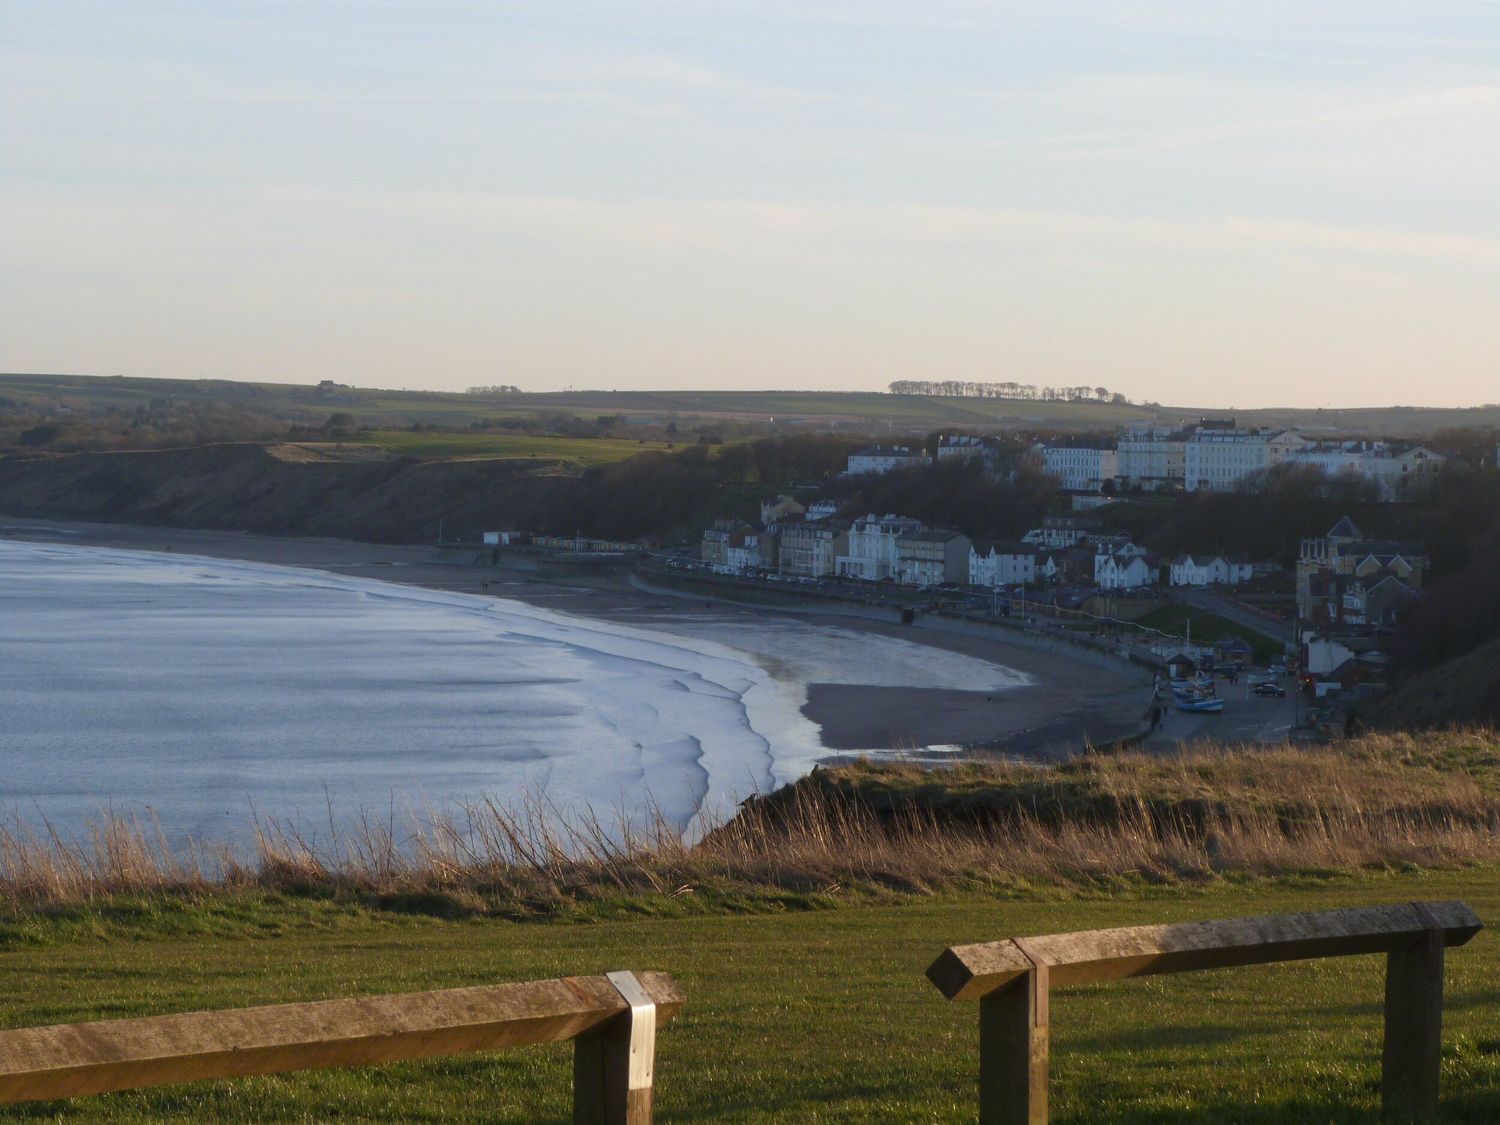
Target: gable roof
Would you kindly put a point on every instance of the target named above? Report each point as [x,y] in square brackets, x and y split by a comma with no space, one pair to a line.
[1344,529]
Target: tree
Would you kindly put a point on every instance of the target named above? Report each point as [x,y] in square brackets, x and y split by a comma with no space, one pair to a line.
[38,436]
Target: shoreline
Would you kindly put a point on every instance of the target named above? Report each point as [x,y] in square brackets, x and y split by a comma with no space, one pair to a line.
[1067,704]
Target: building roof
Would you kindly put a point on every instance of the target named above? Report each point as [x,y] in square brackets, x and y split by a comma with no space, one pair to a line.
[935,535]
[1344,529]
[1384,550]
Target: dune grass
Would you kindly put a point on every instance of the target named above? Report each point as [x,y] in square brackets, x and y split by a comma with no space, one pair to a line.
[862,832]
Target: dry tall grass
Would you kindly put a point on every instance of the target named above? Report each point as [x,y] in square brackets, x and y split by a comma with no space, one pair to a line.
[1379,802]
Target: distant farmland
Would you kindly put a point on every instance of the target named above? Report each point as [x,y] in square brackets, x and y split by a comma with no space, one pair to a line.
[493,446]
[855,411]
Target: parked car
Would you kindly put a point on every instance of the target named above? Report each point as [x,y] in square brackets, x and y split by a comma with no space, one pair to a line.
[1270,688]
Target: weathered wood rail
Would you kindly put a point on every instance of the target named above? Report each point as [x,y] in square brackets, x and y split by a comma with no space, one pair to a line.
[1012,980]
[611,1019]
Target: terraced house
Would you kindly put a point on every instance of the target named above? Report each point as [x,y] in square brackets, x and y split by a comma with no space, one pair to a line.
[811,549]
[932,557]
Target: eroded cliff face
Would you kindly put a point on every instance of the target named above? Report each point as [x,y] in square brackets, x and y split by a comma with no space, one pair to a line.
[250,487]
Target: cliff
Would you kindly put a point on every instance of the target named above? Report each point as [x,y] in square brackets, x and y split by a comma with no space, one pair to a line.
[251,487]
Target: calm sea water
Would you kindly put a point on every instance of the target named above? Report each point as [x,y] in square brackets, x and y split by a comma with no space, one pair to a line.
[205,691]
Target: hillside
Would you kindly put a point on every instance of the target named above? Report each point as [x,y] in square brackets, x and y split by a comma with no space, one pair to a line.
[1464,690]
[247,487]
[353,491]
[853,411]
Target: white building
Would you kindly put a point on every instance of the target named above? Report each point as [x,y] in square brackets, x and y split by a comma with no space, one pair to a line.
[1078,468]
[1062,531]
[1002,564]
[1124,567]
[750,549]
[1391,471]
[1153,458]
[961,447]
[1218,459]
[716,540]
[873,552]
[1209,570]
[879,459]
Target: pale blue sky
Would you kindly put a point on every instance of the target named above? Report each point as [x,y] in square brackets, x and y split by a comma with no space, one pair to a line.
[1199,203]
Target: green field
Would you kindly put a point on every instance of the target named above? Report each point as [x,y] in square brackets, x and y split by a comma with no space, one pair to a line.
[814,1016]
[1207,628]
[852,410]
[495,445]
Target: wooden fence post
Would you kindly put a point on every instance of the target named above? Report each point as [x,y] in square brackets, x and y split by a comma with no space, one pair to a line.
[614,1067]
[1013,1049]
[1410,1060]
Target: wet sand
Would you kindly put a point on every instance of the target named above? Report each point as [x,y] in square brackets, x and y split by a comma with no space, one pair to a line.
[1069,702]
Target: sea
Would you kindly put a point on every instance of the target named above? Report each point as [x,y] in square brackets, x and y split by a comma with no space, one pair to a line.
[206,696]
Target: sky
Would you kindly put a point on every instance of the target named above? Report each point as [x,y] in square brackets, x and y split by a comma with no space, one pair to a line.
[1278,202]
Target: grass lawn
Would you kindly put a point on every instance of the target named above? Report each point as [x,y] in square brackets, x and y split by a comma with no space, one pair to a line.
[1208,627]
[583,451]
[812,1016]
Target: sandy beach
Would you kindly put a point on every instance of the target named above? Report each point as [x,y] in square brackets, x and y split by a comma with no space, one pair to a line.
[1066,703]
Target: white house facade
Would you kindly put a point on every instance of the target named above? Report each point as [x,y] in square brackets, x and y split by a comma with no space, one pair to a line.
[1152,458]
[1209,570]
[1217,460]
[880,459]
[872,546]
[1393,472]
[1002,564]
[1080,469]
[1124,567]
[961,447]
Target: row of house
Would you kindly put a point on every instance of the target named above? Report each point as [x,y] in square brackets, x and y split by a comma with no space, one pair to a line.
[1348,581]
[577,544]
[873,548]
[1218,456]
[950,447]
[1068,548]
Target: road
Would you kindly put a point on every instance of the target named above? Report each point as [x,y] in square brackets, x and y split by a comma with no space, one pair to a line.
[1231,610]
[1246,718]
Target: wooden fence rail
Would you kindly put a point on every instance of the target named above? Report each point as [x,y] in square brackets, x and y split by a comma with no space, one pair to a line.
[612,1020]
[1012,980]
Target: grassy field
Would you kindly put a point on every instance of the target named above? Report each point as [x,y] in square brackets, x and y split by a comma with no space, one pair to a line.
[492,445]
[856,409]
[1208,627]
[813,1016]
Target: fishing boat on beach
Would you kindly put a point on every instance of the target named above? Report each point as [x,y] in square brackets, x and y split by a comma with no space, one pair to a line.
[1206,704]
